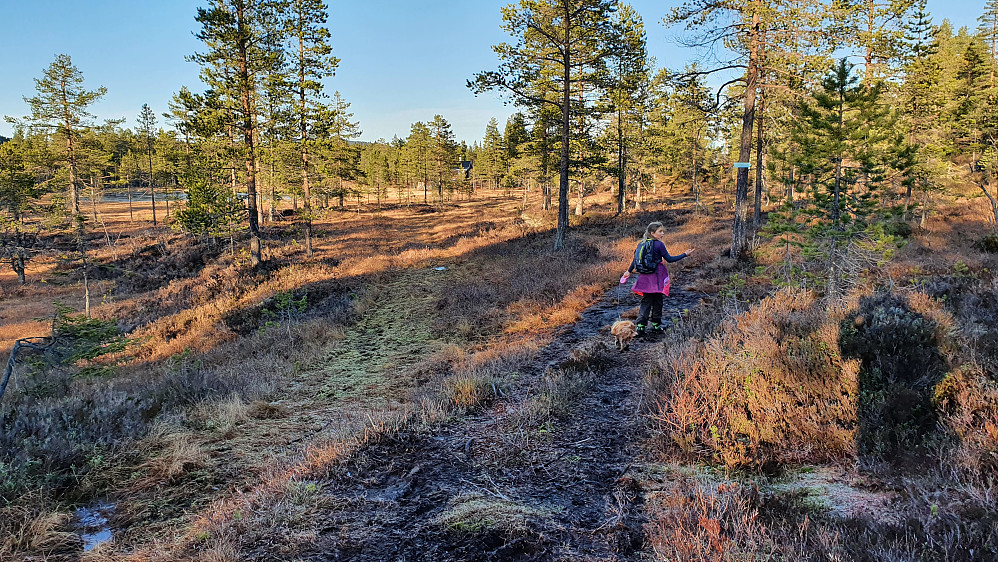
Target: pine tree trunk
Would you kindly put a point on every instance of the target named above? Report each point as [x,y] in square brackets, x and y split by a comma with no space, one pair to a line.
[82,246]
[757,211]
[697,204]
[128,190]
[307,198]
[621,163]
[17,262]
[273,189]
[745,145]
[152,188]
[93,196]
[559,240]
[74,194]
[249,140]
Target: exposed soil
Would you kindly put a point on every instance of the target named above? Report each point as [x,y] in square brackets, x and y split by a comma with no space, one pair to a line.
[466,492]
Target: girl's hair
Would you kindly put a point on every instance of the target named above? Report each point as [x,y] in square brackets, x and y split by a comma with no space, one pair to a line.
[651,228]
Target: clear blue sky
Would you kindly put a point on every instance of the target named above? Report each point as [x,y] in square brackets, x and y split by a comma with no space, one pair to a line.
[401,60]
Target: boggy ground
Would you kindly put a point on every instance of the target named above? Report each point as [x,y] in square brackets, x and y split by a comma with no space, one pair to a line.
[490,487]
[477,412]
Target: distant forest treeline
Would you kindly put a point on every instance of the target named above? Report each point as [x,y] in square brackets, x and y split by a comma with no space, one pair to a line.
[834,149]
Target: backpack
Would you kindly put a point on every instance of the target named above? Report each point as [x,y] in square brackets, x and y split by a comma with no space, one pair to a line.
[644,258]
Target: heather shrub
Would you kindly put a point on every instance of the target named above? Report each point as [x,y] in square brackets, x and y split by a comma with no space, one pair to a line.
[700,520]
[54,437]
[967,402]
[974,305]
[989,243]
[902,343]
[768,387]
[898,228]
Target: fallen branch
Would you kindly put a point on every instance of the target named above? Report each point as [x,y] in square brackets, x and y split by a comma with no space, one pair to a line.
[27,343]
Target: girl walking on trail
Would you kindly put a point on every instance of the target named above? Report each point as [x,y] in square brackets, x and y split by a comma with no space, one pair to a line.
[653,286]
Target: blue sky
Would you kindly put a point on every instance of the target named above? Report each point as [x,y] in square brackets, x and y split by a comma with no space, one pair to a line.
[401,60]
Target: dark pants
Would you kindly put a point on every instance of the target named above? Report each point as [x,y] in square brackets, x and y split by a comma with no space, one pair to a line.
[651,309]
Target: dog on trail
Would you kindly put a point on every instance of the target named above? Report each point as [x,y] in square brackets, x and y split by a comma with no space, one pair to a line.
[623,332]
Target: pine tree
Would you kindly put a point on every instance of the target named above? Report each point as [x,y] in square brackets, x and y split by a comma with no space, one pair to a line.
[375,169]
[443,153]
[418,153]
[970,101]
[988,32]
[311,61]
[561,44]
[922,104]
[842,153]
[746,33]
[17,184]
[515,138]
[341,129]
[493,162]
[628,79]
[240,39]
[877,28]
[689,126]
[61,103]
[147,132]
[211,209]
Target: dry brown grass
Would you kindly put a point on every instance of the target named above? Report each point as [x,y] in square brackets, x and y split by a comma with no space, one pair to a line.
[28,530]
[174,454]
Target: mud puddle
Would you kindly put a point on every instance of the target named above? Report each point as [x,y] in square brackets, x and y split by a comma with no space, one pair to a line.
[92,524]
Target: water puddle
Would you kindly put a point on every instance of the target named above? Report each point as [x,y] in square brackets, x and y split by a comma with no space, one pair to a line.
[93,525]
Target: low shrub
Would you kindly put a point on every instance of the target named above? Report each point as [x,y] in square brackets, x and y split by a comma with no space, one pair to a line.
[699,520]
[967,401]
[768,388]
[989,243]
[900,229]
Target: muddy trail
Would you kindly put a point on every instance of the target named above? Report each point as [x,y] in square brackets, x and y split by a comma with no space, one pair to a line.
[499,484]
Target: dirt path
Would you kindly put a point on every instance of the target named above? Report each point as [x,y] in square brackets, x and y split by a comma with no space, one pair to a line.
[505,485]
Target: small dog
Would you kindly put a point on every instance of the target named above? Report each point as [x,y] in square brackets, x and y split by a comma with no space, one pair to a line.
[623,332]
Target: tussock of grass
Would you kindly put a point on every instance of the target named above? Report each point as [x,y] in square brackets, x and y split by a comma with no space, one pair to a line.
[477,514]
[176,453]
[222,415]
[470,392]
[32,531]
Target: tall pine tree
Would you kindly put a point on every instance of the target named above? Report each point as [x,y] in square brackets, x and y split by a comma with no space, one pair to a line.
[61,104]
[560,45]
